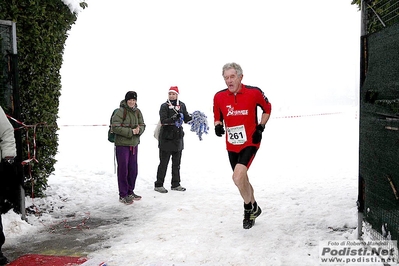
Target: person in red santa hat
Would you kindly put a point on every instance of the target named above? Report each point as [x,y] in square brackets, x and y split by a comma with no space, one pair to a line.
[173,113]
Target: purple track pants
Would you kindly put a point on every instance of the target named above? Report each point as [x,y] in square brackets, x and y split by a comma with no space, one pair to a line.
[126,157]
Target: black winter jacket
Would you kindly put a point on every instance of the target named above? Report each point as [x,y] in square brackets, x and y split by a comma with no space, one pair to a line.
[171,136]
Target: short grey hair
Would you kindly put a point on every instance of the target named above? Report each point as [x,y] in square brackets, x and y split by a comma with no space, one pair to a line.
[233,65]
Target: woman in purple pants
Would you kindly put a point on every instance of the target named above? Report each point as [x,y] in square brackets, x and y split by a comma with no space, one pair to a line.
[128,125]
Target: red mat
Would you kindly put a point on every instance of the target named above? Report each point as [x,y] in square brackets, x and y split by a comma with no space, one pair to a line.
[46,260]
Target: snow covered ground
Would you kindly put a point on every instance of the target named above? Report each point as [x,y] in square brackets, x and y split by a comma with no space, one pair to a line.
[304,176]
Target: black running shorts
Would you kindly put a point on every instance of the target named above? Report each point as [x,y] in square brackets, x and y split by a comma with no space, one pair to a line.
[245,156]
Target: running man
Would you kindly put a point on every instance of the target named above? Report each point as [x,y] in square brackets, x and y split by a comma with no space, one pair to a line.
[236,107]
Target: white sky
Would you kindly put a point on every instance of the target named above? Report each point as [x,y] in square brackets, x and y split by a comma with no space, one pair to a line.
[297,52]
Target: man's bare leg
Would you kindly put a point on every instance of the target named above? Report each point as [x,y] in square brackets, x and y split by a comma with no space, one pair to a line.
[240,178]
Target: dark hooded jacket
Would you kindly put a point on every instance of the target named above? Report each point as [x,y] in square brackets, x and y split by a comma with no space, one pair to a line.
[171,136]
[123,127]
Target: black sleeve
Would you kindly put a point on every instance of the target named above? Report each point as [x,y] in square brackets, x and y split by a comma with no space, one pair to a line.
[187,116]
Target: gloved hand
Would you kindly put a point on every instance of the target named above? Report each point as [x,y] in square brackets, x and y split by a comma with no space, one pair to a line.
[257,136]
[9,160]
[219,130]
[175,117]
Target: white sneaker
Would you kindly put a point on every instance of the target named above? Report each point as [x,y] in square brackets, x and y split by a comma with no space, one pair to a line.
[126,200]
[161,189]
[178,188]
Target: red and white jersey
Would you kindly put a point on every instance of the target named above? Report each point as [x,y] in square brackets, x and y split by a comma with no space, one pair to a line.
[239,114]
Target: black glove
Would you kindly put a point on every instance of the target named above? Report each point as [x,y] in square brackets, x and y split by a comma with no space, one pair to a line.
[175,117]
[219,130]
[9,159]
[257,136]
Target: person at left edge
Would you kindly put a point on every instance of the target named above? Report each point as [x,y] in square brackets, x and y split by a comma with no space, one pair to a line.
[128,125]
[8,152]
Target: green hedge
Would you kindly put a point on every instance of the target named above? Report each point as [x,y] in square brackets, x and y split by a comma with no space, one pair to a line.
[42,29]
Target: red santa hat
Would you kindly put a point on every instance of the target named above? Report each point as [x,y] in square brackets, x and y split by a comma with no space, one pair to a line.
[174,89]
